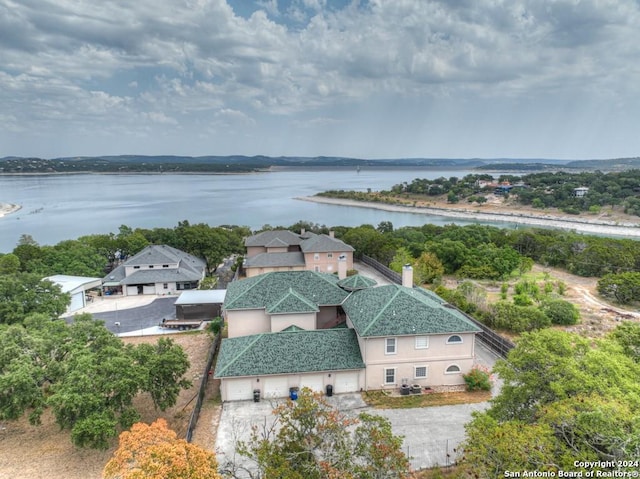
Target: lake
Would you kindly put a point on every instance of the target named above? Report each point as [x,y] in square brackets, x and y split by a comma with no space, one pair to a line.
[60,207]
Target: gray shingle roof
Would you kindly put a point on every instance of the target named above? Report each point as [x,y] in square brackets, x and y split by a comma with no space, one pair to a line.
[267,289]
[271,260]
[266,237]
[395,310]
[288,352]
[324,244]
[189,268]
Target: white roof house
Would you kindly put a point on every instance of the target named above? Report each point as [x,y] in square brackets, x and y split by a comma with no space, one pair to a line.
[76,286]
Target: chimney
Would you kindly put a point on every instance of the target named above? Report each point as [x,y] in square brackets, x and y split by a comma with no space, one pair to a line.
[302,231]
[332,234]
[342,267]
[407,276]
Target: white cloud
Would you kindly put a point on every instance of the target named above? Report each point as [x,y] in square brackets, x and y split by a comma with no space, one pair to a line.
[196,62]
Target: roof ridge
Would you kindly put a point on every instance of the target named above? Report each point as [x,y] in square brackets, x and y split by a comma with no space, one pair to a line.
[260,279]
[255,339]
[382,310]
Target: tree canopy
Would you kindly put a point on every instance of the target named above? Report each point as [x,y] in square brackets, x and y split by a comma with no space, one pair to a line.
[86,375]
[155,452]
[564,398]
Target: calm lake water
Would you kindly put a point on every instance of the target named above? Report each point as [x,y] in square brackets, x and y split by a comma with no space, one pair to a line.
[60,207]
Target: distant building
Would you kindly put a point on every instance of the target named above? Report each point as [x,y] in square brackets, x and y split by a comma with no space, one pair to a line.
[580,191]
[157,269]
[77,287]
[284,250]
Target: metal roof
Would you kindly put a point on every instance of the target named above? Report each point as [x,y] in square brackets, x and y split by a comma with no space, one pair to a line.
[202,296]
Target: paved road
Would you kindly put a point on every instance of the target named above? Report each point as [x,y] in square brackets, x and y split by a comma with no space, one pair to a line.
[133,319]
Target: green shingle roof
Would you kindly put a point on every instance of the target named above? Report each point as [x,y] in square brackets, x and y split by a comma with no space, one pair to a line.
[288,352]
[356,282]
[265,290]
[395,310]
[292,302]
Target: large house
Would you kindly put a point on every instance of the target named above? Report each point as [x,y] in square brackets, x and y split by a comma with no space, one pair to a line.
[305,328]
[157,269]
[283,250]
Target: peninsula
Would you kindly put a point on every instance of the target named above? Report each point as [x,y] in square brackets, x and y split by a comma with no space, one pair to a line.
[496,212]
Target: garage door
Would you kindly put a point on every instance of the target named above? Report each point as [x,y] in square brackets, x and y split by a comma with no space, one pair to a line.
[346,382]
[276,387]
[312,381]
[238,389]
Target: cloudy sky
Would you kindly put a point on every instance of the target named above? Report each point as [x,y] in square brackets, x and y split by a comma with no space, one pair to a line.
[368,79]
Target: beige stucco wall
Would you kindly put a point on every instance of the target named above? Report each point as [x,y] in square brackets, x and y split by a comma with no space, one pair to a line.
[326,264]
[254,250]
[246,322]
[302,320]
[437,357]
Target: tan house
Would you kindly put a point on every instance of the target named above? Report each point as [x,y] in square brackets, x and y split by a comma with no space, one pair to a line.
[157,269]
[304,328]
[283,250]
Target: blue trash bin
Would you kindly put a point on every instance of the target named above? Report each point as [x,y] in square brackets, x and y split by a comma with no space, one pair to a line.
[293,393]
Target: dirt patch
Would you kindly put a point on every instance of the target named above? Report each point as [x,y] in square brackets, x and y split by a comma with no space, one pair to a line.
[35,452]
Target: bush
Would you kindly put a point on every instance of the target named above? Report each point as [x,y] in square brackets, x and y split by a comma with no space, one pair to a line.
[560,311]
[478,379]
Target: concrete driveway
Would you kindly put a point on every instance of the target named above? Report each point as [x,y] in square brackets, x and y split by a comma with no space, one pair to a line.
[431,435]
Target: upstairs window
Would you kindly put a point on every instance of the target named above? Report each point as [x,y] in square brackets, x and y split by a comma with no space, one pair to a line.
[390,346]
[422,342]
[454,339]
[329,255]
[136,267]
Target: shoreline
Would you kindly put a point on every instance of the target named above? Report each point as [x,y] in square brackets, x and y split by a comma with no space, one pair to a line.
[8,208]
[560,222]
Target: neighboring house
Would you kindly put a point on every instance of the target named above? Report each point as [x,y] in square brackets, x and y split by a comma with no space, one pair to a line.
[283,250]
[304,328]
[157,269]
[580,191]
[77,287]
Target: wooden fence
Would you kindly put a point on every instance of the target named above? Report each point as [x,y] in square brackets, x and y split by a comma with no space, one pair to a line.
[193,421]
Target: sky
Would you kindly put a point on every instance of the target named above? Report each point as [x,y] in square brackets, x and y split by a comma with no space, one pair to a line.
[365,79]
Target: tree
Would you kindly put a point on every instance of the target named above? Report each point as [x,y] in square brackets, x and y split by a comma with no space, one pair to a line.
[310,439]
[401,258]
[155,452]
[427,268]
[9,264]
[560,311]
[23,294]
[85,374]
[623,288]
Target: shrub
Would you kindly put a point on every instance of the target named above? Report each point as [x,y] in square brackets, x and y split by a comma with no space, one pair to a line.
[560,311]
[478,379]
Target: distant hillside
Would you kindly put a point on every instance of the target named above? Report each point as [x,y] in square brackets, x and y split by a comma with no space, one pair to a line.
[240,163]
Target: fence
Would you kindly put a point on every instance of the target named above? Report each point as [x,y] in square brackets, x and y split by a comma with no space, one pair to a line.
[193,421]
[492,340]
[382,269]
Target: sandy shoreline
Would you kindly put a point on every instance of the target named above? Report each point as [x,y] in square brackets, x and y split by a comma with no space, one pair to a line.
[8,208]
[561,222]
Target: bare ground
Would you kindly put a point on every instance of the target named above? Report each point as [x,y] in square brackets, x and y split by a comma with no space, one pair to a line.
[35,452]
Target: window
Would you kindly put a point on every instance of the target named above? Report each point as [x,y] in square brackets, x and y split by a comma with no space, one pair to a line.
[420,372]
[150,266]
[136,267]
[316,256]
[455,339]
[453,369]
[316,268]
[165,265]
[422,342]
[390,376]
[390,346]
[329,255]
[165,285]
